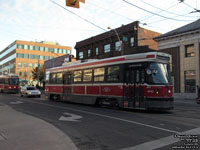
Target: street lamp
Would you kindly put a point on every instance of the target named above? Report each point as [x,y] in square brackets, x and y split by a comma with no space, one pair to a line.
[121,44]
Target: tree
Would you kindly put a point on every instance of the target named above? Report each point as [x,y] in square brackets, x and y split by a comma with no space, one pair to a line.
[35,73]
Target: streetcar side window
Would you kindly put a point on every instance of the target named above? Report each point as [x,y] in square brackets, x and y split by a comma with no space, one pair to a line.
[53,78]
[87,75]
[78,76]
[67,78]
[59,79]
[2,81]
[113,73]
[99,74]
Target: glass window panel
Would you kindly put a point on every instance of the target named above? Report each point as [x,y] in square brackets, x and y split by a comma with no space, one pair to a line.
[190,81]
[99,74]
[189,50]
[113,73]
[25,46]
[20,46]
[132,41]
[106,48]
[25,64]
[59,78]
[42,49]
[87,75]
[77,76]
[80,55]
[31,47]
[118,45]
[19,64]
[46,49]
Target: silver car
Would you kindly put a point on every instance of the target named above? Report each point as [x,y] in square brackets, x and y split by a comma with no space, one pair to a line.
[29,91]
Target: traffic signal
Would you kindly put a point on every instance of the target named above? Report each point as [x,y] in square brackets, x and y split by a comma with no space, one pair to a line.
[72,3]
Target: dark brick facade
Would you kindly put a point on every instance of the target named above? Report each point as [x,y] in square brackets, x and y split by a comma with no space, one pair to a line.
[143,42]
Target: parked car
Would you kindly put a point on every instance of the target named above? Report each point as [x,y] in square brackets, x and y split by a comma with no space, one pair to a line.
[29,91]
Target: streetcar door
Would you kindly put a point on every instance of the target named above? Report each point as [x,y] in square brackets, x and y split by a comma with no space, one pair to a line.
[133,87]
[67,89]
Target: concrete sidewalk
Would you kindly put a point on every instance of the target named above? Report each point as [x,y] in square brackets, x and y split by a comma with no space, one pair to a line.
[23,132]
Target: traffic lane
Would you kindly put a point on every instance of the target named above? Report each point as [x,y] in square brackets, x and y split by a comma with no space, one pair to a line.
[123,130]
[172,121]
[94,132]
[156,119]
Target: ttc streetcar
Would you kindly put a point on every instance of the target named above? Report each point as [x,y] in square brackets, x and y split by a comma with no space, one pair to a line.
[136,81]
[9,84]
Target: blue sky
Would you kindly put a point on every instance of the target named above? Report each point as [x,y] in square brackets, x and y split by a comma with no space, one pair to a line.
[38,20]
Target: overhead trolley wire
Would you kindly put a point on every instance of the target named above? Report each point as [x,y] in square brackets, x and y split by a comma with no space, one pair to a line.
[165,10]
[78,16]
[153,12]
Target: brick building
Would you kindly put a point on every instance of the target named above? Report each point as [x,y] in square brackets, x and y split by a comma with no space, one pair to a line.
[20,57]
[127,39]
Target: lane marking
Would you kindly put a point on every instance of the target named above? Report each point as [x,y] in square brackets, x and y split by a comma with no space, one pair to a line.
[15,103]
[2,137]
[70,117]
[110,117]
[163,141]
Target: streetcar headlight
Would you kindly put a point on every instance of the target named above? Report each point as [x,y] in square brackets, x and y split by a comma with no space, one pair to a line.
[157,92]
[169,91]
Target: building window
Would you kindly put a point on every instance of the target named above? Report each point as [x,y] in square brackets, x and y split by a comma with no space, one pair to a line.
[26,56]
[80,54]
[25,65]
[51,50]
[20,46]
[118,45]
[46,49]
[31,65]
[97,51]
[19,64]
[41,48]
[89,52]
[106,48]
[36,65]
[189,50]
[31,47]
[37,48]
[30,74]
[190,81]
[25,46]
[19,73]
[32,56]
[20,55]
[60,51]
[132,41]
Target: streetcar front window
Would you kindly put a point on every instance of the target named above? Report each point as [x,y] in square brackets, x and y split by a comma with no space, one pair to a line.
[158,73]
[13,81]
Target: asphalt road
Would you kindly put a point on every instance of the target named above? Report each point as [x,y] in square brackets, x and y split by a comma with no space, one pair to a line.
[93,128]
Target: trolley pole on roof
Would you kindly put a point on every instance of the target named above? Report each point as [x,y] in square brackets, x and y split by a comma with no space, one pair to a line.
[120,41]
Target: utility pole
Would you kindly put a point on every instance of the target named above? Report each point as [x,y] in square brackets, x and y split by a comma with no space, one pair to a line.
[38,72]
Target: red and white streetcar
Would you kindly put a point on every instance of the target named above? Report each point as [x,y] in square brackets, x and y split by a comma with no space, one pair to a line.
[139,81]
[9,83]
